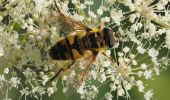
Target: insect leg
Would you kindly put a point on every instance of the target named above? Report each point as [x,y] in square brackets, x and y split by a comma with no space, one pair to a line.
[62,69]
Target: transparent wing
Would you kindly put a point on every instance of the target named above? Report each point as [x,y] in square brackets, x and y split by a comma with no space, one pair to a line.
[68,24]
[77,74]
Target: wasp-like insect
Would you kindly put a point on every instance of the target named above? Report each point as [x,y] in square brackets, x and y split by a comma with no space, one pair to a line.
[83,42]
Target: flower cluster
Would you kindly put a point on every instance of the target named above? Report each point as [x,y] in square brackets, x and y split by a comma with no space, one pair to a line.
[29,28]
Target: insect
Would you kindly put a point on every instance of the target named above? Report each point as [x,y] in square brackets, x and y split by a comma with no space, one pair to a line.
[83,43]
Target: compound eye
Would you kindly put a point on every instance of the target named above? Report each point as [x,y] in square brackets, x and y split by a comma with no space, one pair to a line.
[109,37]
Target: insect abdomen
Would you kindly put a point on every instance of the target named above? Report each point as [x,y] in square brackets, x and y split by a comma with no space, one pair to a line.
[74,47]
[68,48]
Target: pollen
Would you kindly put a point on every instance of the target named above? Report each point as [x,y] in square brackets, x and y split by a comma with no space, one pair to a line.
[123,71]
[143,9]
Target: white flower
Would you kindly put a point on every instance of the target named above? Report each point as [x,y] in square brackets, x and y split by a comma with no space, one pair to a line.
[132,18]
[81,88]
[120,60]
[30,28]
[134,28]
[102,78]
[132,56]
[6,70]
[91,14]
[106,63]
[1,51]
[128,86]
[25,91]
[157,70]
[153,52]
[134,62]
[126,60]
[38,37]
[94,88]
[168,39]
[1,18]
[89,2]
[82,6]
[121,92]
[31,38]
[117,16]
[148,95]
[143,66]
[2,78]
[24,25]
[44,79]
[141,50]
[14,82]
[139,25]
[74,1]
[50,91]
[148,74]
[38,89]
[108,52]
[99,11]
[108,96]
[112,78]
[120,54]
[139,82]
[78,17]
[30,21]
[131,6]
[41,5]
[165,60]
[152,29]
[160,7]
[140,86]
[140,73]
[108,71]
[105,19]
[126,49]
[113,87]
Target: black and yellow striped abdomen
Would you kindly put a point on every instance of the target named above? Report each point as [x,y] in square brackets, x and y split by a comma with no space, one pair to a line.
[68,48]
[75,46]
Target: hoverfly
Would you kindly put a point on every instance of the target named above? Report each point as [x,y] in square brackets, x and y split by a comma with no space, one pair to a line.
[83,43]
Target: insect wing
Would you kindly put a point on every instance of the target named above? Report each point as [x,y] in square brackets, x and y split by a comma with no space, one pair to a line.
[81,69]
[68,23]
